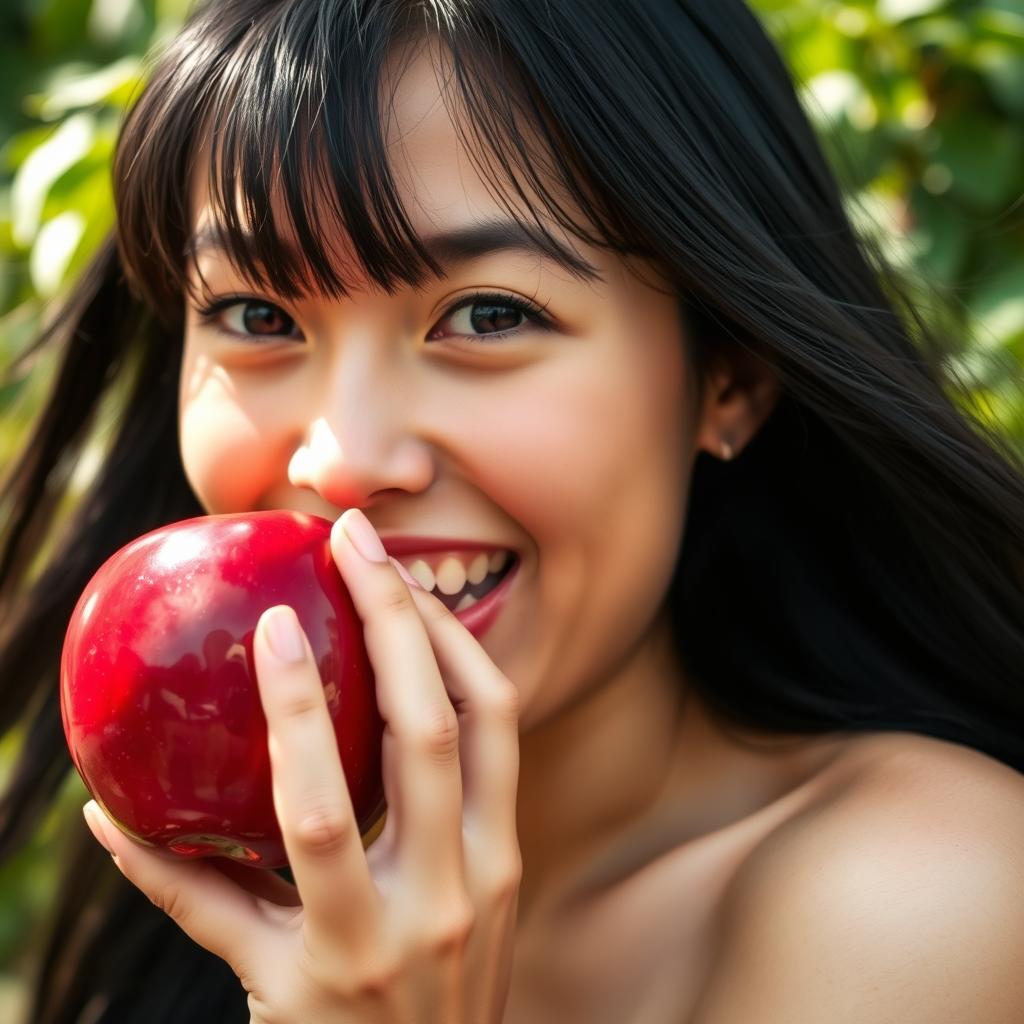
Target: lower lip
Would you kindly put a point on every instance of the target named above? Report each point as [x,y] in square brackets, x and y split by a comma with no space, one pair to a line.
[481,616]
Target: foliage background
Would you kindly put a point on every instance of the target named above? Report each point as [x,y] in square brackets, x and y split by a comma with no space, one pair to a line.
[919,103]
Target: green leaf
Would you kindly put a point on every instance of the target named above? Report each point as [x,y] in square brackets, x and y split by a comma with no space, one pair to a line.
[9,392]
[1002,405]
[1002,68]
[984,156]
[175,10]
[97,226]
[951,35]
[1005,21]
[113,84]
[60,25]
[845,117]
[940,235]
[43,166]
[111,21]
[997,308]
[819,50]
[894,11]
[67,190]
[19,147]
[52,250]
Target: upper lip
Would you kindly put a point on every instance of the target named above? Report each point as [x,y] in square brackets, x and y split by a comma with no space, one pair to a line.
[407,545]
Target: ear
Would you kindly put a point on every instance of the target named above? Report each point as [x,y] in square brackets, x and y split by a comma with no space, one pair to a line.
[740,391]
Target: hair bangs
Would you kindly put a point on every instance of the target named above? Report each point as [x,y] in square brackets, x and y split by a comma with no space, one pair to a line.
[292,133]
[298,164]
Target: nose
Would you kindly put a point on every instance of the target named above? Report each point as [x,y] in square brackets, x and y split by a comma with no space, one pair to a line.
[362,443]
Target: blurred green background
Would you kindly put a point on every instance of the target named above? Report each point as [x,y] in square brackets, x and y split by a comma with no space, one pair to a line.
[920,105]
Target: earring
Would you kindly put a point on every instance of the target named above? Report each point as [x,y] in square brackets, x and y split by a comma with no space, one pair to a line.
[726,451]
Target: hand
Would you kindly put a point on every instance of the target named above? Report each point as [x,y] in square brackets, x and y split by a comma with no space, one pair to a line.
[418,928]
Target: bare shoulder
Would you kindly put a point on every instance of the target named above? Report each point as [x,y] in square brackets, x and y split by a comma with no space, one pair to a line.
[897,895]
[898,794]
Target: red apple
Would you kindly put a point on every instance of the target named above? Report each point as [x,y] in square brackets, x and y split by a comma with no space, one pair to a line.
[158,687]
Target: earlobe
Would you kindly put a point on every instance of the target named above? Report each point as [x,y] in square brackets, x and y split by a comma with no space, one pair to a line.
[738,399]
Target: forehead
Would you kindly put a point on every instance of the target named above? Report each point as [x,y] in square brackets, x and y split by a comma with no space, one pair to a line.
[441,177]
[426,130]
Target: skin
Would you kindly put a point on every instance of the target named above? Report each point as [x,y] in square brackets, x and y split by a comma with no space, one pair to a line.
[468,452]
[564,750]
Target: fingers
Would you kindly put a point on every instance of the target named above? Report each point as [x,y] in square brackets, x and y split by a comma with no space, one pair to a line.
[487,705]
[486,702]
[260,882]
[210,909]
[311,798]
[421,744]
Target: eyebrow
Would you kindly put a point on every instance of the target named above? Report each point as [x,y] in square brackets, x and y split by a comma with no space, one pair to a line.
[448,248]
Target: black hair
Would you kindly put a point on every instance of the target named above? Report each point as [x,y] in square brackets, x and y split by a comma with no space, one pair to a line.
[858,567]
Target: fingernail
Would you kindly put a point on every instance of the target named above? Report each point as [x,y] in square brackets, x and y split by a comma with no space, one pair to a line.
[92,815]
[405,574]
[284,635]
[363,536]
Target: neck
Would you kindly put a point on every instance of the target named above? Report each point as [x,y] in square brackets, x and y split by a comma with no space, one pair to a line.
[636,766]
[589,773]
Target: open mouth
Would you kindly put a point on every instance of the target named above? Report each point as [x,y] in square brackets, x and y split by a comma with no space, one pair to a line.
[472,580]
[471,593]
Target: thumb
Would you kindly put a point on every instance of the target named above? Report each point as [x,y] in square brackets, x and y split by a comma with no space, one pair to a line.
[212,910]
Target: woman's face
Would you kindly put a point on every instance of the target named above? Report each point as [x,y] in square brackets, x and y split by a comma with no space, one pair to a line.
[567,438]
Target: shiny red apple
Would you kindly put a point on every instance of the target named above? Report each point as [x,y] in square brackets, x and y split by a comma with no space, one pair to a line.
[158,687]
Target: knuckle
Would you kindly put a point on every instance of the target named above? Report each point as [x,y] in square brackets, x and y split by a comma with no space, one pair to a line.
[438,735]
[449,931]
[322,831]
[373,981]
[300,703]
[395,598]
[171,901]
[504,879]
[503,700]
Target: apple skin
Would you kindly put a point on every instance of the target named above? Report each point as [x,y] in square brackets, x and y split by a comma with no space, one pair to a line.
[158,687]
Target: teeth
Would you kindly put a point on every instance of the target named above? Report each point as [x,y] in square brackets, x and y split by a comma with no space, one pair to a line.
[455,572]
[451,576]
[478,568]
[422,574]
[467,602]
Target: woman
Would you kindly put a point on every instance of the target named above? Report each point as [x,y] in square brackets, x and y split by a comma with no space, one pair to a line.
[572,282]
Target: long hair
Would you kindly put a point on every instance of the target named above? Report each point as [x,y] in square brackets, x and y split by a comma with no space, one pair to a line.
[858,567]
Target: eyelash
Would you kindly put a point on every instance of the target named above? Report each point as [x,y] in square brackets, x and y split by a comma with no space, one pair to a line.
[535,314]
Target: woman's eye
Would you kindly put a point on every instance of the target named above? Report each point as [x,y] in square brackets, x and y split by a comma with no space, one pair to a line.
[483,316]
[250,318]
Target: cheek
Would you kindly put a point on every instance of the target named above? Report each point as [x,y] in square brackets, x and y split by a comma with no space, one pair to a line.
[547,450]
[629,492]
[595,452]
[226,445]
[597,475]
